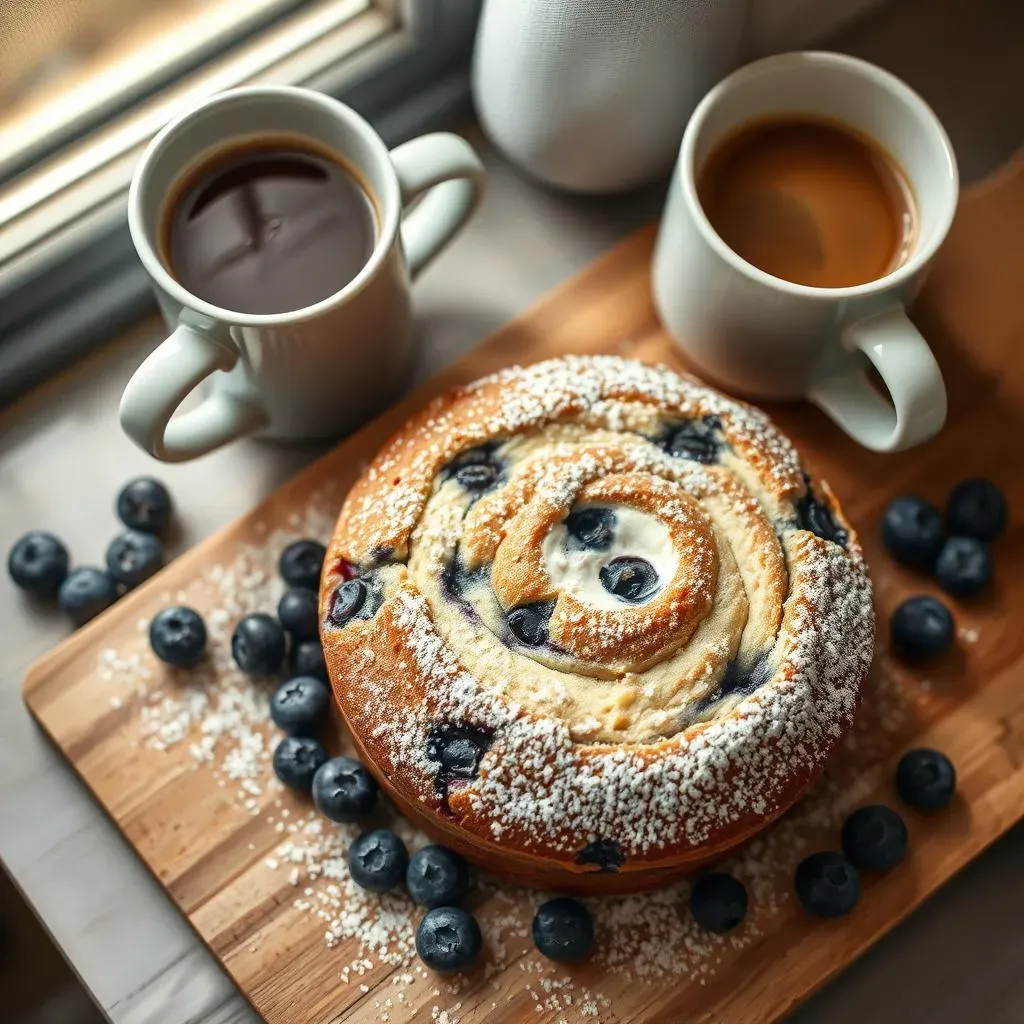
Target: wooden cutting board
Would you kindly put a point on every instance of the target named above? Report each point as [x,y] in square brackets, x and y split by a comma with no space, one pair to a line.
[214,838]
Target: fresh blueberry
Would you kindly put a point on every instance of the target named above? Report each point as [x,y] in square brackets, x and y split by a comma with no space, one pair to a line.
[258,644]
[700,440]
[630,579]
[591,528]
[347,601]
[38,563]
[178,636]
[926,779]
[307,659]
[301,564]
[912,531]
[296,761]
[437,877]
[563,930]
[874,838]
[718,902]
[134,556]
[85,593]
[976,508]
[827,884]
[448,939]
[344,791]
[604,854]
[298,612]
[377,860]
[529,623]
[964,567]
[921,627]
[817,517]
[299,707]
[144,504]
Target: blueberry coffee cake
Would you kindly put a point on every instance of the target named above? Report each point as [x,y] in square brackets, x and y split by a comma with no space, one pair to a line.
[592,623]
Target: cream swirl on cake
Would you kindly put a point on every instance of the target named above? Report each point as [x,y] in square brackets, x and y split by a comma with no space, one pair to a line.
[593,616]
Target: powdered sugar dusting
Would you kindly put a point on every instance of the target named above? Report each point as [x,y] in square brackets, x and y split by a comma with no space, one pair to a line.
[215,720]
[719,761]
[646,939]
[218,713]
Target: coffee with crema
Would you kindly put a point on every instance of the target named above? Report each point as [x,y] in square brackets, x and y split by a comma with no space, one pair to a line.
[809,201]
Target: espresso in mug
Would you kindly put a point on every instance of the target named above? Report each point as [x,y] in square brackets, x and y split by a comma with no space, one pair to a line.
[809,201]
[268,226]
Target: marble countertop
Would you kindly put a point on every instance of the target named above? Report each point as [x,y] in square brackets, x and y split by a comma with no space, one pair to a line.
[63,457]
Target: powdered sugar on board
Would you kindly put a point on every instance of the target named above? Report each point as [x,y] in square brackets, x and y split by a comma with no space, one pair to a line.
[219,718]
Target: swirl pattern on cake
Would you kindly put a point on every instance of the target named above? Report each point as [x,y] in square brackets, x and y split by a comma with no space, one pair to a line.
[593,623]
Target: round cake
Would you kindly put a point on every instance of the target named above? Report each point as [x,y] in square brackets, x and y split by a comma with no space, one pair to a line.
[592,623]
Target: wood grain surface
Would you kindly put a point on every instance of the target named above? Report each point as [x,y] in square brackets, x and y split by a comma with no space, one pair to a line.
[210,853]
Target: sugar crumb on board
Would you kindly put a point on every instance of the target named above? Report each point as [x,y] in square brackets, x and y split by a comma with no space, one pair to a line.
[219,718]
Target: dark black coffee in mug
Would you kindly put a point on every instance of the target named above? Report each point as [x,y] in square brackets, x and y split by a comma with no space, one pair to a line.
[268,226]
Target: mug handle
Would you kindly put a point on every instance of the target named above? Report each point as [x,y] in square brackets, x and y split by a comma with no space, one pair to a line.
[180,362]
[905,363]
[445,170]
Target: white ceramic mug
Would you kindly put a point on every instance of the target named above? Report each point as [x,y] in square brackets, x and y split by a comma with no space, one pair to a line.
[770,338]
[317,371]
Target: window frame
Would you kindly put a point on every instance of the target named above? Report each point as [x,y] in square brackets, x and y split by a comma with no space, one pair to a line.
[69,277]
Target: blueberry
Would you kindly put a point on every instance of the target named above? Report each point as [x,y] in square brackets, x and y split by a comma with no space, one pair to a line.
[448,939]
[964,567]
[563,930]
[301,563]
[134,556]
[817,517]
[921,627]
[746,677]
[307,659]
[976,508]
[86,592]
[296,761]
[344,791]
[874,838]
[38,563]
[457,751]
[299,707]
[912,531]
[298,611]
[827,884]
[529,624]
[347,601]
[377,860]
[591,528]
[178,636]
[926,779]
[699,440]
[605,854]
[437,877]
[718,902]
[630,579]
[144,504]
[258,644]
[476,469]
[478,477]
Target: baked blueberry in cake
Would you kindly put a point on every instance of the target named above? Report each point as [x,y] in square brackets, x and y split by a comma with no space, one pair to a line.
[591,623]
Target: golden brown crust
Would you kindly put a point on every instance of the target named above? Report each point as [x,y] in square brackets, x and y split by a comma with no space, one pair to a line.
[631,743]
